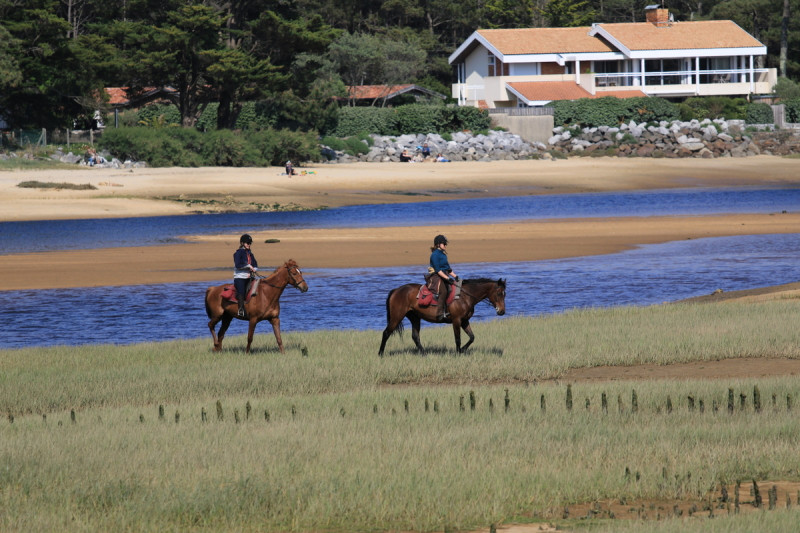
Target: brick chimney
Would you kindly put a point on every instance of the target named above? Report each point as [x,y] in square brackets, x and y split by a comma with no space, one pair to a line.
[656,15]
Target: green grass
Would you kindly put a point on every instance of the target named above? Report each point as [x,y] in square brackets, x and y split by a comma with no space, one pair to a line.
[20,163]
[342,440]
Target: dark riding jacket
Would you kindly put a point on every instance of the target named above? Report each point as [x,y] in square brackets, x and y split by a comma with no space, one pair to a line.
[439,261]
[242,258]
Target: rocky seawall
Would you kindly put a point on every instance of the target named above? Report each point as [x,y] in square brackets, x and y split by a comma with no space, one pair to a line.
[707,139]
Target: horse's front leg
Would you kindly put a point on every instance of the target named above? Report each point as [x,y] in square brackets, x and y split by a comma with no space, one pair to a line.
[468,329]
[457,335]
[276,328]
[251,329]
[415,325]
[226,322]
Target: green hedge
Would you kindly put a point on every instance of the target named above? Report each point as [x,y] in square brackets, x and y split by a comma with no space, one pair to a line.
[185,147]
[612,111]
[759,114]
[792,110]
[410,119]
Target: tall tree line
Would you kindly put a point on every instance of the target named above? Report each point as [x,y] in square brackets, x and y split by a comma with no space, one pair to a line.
[294,55]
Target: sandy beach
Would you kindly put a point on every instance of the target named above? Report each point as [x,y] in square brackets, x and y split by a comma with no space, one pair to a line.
[171,191]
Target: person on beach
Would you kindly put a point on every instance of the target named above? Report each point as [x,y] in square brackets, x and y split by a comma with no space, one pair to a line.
[440,274]
[289,169]
[244,268]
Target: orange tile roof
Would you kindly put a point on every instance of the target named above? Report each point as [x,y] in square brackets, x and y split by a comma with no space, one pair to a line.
[537,91]
[117,95]
[681,35]
[375,91]
[544,41]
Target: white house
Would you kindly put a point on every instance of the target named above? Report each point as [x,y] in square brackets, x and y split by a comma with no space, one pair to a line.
[660,57]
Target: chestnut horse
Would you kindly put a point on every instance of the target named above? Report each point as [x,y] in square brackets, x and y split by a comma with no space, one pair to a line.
[402,302]
[263,306]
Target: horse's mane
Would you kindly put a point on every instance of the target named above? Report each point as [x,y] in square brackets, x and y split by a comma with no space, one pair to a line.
[476,281]
[288,264]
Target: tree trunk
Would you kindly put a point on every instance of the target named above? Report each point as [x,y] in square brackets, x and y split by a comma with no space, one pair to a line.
[784,39]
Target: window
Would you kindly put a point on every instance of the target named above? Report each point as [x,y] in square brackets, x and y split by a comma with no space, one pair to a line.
[497,67]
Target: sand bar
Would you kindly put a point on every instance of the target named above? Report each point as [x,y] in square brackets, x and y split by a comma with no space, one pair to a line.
[141,193]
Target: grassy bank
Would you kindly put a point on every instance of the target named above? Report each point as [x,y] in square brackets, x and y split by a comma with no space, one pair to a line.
[173,437]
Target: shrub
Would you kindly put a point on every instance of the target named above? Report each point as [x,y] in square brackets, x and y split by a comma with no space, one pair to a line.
[378,120]
[786,89]
[759,114]
[186,147]
[792,110]
[611,111]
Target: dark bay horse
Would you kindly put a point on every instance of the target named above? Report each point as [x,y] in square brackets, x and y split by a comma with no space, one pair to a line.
[265,305]
[402,303]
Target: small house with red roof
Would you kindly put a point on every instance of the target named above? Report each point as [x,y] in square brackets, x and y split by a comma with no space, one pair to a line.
[381,95]
[530,67]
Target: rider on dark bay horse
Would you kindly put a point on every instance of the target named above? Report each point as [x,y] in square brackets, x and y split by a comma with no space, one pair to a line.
[440,275]
[244,267]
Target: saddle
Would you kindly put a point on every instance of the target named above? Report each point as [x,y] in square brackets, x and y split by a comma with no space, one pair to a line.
[426,297]
[229,291]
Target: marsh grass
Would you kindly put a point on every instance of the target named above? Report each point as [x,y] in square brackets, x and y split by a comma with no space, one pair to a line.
[56,185]
[341,440]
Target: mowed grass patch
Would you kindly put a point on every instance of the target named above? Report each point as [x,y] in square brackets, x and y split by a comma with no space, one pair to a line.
[332,437]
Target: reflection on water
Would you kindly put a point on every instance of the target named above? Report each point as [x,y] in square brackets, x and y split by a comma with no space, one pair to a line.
[650,274]
[36,236]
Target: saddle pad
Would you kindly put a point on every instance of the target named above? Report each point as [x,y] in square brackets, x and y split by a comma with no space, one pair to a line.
[229,291]
[425,297]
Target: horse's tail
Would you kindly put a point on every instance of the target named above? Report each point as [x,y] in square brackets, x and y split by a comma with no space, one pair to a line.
[208,307]
[399,328]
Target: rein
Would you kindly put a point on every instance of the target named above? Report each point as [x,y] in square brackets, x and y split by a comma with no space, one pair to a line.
[293,282]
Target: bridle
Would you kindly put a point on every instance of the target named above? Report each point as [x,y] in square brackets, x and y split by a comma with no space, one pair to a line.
[292,280]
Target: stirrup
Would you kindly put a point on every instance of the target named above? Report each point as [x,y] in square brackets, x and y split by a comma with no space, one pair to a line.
[241,313]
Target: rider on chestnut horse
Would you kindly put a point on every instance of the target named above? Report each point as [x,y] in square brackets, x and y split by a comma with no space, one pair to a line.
[440,275]
[244,268]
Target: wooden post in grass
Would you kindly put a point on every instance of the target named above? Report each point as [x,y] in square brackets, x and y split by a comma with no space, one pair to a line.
[604,403]
[773,497]
[620,405]
[247,410]
[757,501]
[507,402]
[691,402]
[203,414]
[543,404]
[461,403]
[788,402]
[730,401]
[177,417]
[569,397]
[405,405]
[634,402]
[427,405]
[756,399]
[471,400]
[236,415]
[72,415]
[742,401]
[669,405]
[220,415]
[266,415]
[161,412]
[435,406]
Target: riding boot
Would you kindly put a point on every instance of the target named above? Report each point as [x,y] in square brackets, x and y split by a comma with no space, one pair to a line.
[441,304]
[242,313]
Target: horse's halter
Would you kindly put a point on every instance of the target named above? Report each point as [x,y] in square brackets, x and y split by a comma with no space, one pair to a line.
[292,280]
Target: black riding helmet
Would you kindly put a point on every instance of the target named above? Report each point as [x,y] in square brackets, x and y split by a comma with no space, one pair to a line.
[245,239]
[439,239]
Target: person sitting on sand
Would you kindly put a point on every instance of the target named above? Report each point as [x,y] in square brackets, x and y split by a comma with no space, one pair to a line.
[289,168]
[441,159]
[404,157]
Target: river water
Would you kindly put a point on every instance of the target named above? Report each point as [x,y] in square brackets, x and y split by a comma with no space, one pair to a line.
[146,231]
[647,275]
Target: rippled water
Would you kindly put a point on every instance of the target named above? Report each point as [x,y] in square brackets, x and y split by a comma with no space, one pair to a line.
[38,236]
[647,275]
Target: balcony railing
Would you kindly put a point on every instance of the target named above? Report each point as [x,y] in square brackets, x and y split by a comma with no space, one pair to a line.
[681,77]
